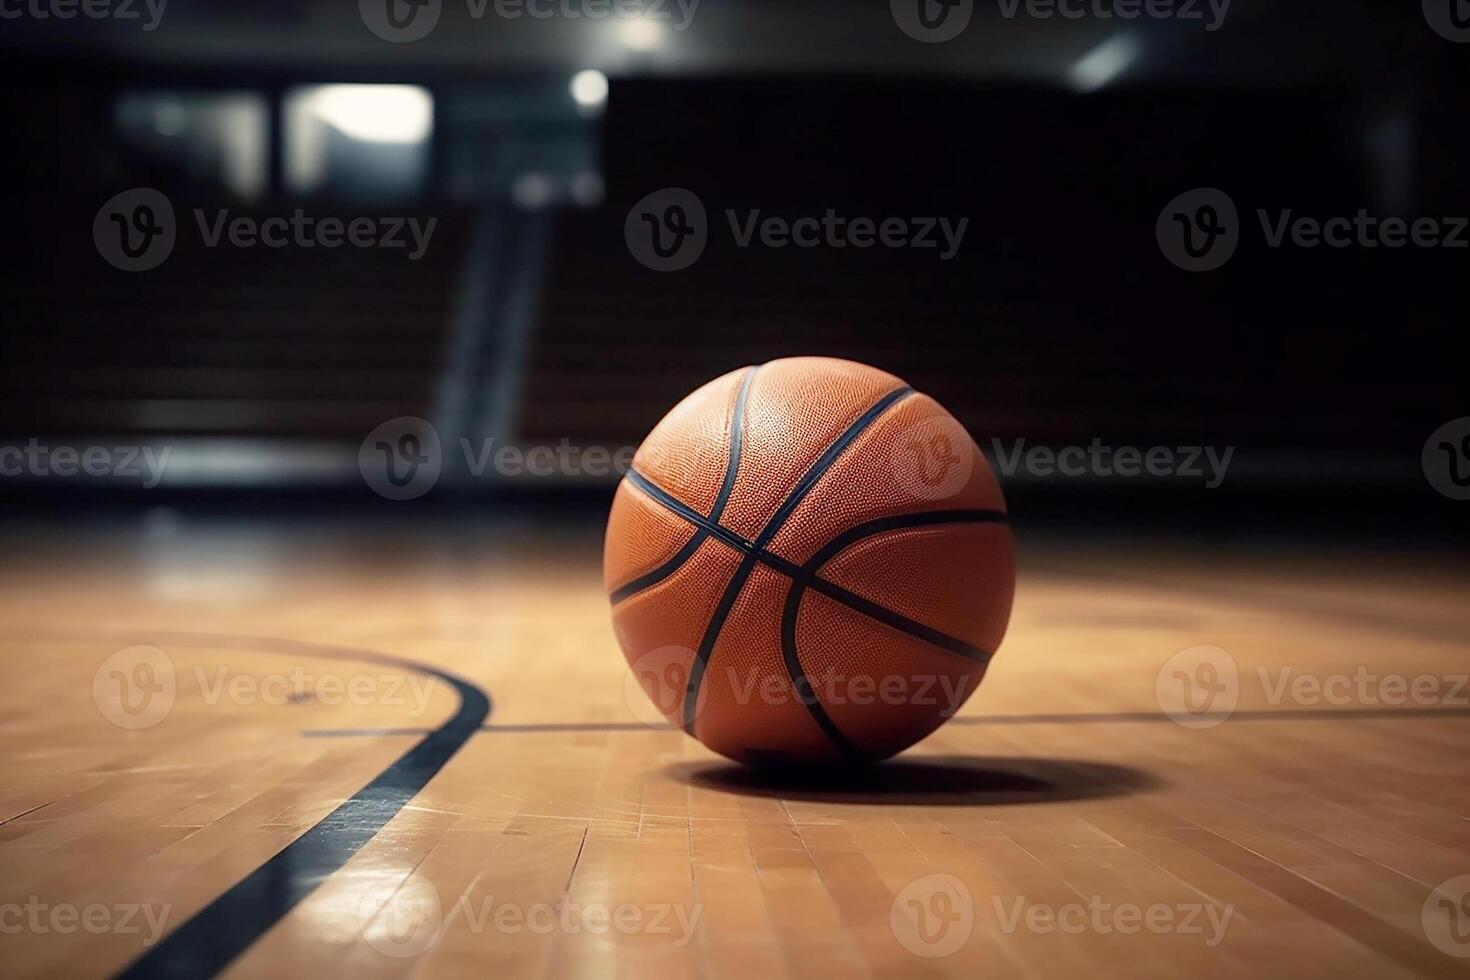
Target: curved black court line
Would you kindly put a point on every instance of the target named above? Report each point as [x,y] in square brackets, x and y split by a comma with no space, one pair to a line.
[747,565]
[803,580]
[214,936]
[737,432]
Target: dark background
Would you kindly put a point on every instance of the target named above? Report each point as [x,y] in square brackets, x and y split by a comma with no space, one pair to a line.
[1059,321]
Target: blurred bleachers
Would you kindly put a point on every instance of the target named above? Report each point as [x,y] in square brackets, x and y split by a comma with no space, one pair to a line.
[291,343]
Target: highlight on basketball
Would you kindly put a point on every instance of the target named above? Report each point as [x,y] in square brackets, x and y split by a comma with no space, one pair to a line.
[664,488]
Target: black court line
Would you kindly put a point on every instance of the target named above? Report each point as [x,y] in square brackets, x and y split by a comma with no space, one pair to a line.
[26,813]
[1099,718]
[701,530]
[214,936]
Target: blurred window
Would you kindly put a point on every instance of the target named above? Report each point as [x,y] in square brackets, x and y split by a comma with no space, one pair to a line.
[217,139]
[359,141]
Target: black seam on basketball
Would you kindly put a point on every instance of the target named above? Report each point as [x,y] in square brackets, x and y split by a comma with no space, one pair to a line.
[825,461]
[711,634]
[807,578]
[848,538]
[898,522]
[719,531]
[793,499]
[803,684]
[899,621]
[737,439]
[737,427]
[663,571]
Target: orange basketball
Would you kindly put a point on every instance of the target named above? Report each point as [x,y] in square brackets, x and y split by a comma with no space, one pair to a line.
[809,561]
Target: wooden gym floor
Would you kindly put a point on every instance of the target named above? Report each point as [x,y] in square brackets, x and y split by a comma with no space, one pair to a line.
[288,751]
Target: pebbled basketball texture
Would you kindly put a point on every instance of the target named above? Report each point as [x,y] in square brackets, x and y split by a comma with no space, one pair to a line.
[809,561]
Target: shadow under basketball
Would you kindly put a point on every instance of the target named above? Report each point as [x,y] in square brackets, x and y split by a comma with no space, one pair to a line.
[933,781]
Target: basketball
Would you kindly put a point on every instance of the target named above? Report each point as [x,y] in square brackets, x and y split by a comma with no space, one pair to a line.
[808,561]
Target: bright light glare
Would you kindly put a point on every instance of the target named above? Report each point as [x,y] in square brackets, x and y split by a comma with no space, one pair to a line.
[640,33]
[1104,63]
[376,113]
[589,87]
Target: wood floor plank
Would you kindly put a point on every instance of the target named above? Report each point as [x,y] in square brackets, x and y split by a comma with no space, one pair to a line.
[1301,838]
